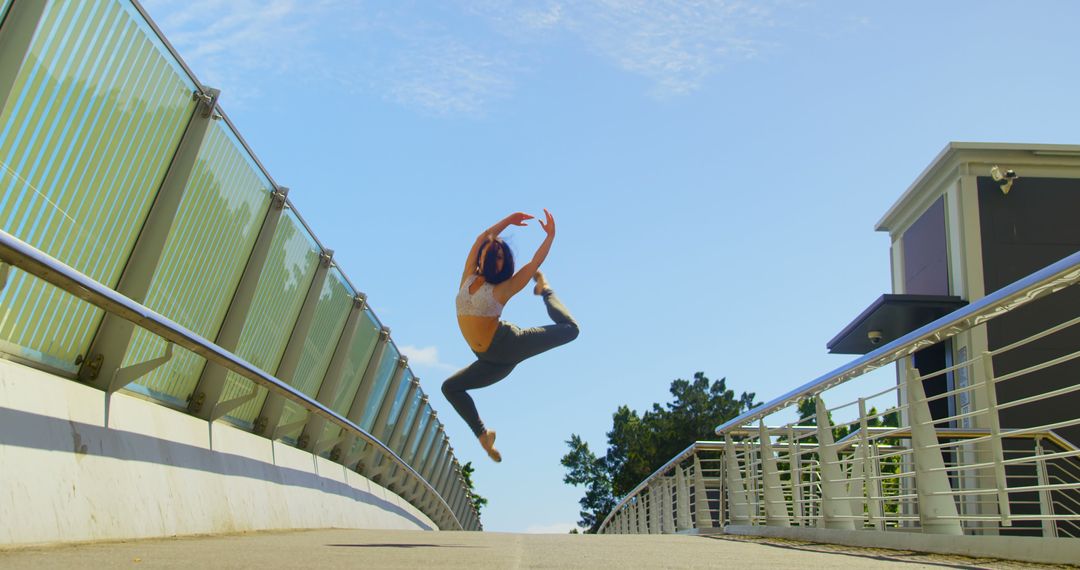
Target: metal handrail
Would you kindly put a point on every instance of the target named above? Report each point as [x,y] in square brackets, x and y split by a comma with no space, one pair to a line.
[1047,280]
[19,254]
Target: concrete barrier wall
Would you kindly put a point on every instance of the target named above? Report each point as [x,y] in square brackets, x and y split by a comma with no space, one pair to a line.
[68,474]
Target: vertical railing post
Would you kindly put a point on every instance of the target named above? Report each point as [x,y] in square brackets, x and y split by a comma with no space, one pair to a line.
[1046,500]
[870,478]
[702,514]
[738,501]
[205,398]
[835,508]
[776,512]
[396,441]
[331,382]
[382,418]
[682,493]
[795,459]
[269,417]
[667,512]
[101,367]
[655,506]
[997,452]
[360,401]
[937,511]
[642,522]
[16,38]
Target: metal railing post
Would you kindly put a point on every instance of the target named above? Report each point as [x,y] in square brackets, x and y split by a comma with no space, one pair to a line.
[997,452]
[1046,500]
[205,398]
[642,515]
[363,394]
[16,38]
[702,514]
[937,511]
[835,508]
[667,513]
[330,385]
[776,513]
[738,501]
[795,460]
[682,508]
[378,464]
[399,440]
[382,418]
[871,481]
[103,360]
[274,405]
[655,505]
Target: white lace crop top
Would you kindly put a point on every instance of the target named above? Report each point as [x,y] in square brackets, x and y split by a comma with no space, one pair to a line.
[479,304]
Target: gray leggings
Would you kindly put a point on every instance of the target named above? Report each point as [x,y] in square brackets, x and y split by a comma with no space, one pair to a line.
[508,348]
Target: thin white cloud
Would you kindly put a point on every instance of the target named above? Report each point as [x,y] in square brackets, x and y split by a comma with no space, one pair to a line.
[556,528]
[425,356]
[459,58]
[674,43]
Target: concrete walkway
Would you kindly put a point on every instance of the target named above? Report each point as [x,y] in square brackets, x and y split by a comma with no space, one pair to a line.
[416,549]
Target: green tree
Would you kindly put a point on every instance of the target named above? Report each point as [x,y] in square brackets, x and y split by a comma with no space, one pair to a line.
[466,472]
[638,445]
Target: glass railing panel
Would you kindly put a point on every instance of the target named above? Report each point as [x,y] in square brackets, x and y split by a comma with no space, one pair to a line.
[219,218]
[387,366]
[331,312]
[420,427]
[96,113]
[283,284]
[399,403]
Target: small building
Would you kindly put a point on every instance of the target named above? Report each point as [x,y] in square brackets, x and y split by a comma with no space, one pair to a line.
[982,216]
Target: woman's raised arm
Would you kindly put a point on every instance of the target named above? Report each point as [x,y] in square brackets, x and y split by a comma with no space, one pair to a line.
[504,291]
[515,219]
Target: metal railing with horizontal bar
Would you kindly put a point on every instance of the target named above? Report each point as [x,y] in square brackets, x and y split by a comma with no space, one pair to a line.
[192,278]
[984,445]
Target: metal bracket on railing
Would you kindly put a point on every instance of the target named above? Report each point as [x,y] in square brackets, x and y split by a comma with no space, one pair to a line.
[279,196]
[128,374]
[207,98]
[222,408]
[4,272]
[326,257]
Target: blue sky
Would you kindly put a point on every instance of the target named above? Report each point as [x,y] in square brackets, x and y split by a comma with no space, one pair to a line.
[715,168]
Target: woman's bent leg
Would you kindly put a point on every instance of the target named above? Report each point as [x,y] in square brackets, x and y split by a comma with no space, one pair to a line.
[476,375]
[521,344]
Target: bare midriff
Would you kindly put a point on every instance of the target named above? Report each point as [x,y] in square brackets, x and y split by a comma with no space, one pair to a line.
[478,331]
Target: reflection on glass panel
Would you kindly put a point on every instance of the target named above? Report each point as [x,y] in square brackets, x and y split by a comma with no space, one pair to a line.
[279,295]
[219,218]
[387,365]
[331,312]
[420,427]
[96,113]
[398,404]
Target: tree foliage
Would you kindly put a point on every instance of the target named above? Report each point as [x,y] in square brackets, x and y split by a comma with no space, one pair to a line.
[466,473]
[641,444]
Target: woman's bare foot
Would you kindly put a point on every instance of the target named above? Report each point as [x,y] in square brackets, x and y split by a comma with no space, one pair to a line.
[487,441]
[541,283]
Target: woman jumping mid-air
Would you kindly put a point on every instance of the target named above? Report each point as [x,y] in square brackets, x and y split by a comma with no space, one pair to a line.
[489,281]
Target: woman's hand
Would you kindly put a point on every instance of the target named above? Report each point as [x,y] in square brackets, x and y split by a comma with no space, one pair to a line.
[518,218]
[549,227]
